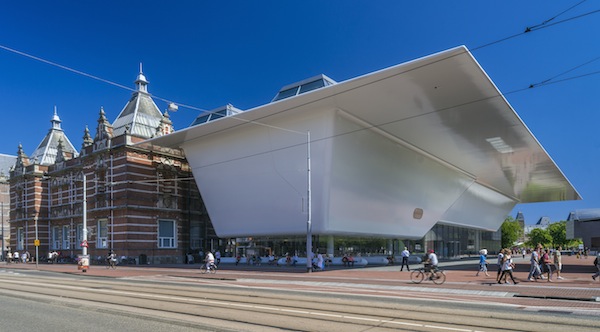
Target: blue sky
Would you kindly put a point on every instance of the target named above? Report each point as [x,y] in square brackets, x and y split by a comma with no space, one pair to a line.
[208,54]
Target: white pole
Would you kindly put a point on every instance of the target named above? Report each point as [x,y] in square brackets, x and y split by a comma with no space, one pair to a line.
[309,219]
[84,248]
[37,247]
[3,244]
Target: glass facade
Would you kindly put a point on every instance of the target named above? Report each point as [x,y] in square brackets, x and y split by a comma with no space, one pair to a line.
[449,242]
[455,242]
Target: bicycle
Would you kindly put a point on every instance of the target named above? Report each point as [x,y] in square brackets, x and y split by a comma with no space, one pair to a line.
[211,269]
[111,263]
[437,276]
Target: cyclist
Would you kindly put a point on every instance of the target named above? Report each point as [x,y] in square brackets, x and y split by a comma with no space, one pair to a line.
[111,258]
[210,260]
[432,260]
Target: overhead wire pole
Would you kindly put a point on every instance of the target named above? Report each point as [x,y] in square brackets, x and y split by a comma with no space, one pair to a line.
[309,208]
[84,250]
[2,254]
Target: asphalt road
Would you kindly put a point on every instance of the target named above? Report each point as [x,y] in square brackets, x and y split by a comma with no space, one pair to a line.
[48,301]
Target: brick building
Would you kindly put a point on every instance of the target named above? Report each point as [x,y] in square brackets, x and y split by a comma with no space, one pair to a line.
[142,201]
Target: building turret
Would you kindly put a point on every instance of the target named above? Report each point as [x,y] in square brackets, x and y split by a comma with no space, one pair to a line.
[46,152]
[140,117]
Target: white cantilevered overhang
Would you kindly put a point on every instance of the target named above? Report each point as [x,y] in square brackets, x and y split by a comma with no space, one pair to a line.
[393,152]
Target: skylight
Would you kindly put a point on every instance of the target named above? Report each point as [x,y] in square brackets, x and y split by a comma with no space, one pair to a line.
[313,83]
[215,114]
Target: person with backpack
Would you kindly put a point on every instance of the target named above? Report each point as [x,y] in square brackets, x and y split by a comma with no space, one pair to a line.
[547,263]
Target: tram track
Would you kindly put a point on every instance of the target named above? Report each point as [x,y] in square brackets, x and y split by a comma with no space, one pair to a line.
[197,303]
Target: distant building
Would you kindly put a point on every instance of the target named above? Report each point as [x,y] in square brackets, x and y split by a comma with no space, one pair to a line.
[542,223]
[585,225]
[520,218]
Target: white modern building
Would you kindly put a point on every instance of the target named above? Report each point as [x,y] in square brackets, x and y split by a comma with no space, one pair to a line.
[392,153]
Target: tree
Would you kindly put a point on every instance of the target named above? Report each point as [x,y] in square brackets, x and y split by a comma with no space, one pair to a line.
[541,236]
[511,232]
[558,232]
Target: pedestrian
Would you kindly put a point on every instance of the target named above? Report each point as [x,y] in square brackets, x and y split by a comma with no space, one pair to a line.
[558,262]
[9,257]
[320,262]
[597,264]
[547,263]
[482,262]
[16,257]
[524,252]
[499,264]
[507,268]
[405,255]
[218,257]
[534,270]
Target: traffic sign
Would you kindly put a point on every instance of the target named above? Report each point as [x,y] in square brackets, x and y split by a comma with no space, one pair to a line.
[36,242]
[84,243]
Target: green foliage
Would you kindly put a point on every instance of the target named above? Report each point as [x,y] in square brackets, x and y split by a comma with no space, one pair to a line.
[541,236]
[558,232]
[511,232]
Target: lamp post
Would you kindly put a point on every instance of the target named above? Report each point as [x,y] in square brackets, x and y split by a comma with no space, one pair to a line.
[309,207]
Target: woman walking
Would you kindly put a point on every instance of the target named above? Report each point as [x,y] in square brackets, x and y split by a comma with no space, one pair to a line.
[507,268]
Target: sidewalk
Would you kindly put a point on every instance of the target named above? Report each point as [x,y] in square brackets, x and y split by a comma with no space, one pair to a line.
[577,284]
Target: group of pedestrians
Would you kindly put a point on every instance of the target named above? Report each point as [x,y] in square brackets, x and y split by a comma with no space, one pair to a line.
[17,257]
[542,262]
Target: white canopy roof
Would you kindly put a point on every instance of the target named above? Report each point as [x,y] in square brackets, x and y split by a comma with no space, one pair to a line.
[432,135]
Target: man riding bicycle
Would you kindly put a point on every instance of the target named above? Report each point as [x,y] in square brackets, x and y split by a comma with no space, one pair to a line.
[431,261]
[111,258]
[430,270]
[210,260]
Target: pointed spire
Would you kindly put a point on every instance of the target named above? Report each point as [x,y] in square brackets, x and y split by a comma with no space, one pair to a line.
[104,129]
[55,120]
[87,138]
[166,125]
[22,159]
[60,154]
[141,82]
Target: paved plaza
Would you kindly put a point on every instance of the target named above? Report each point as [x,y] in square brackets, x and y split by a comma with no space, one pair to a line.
[577,289]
